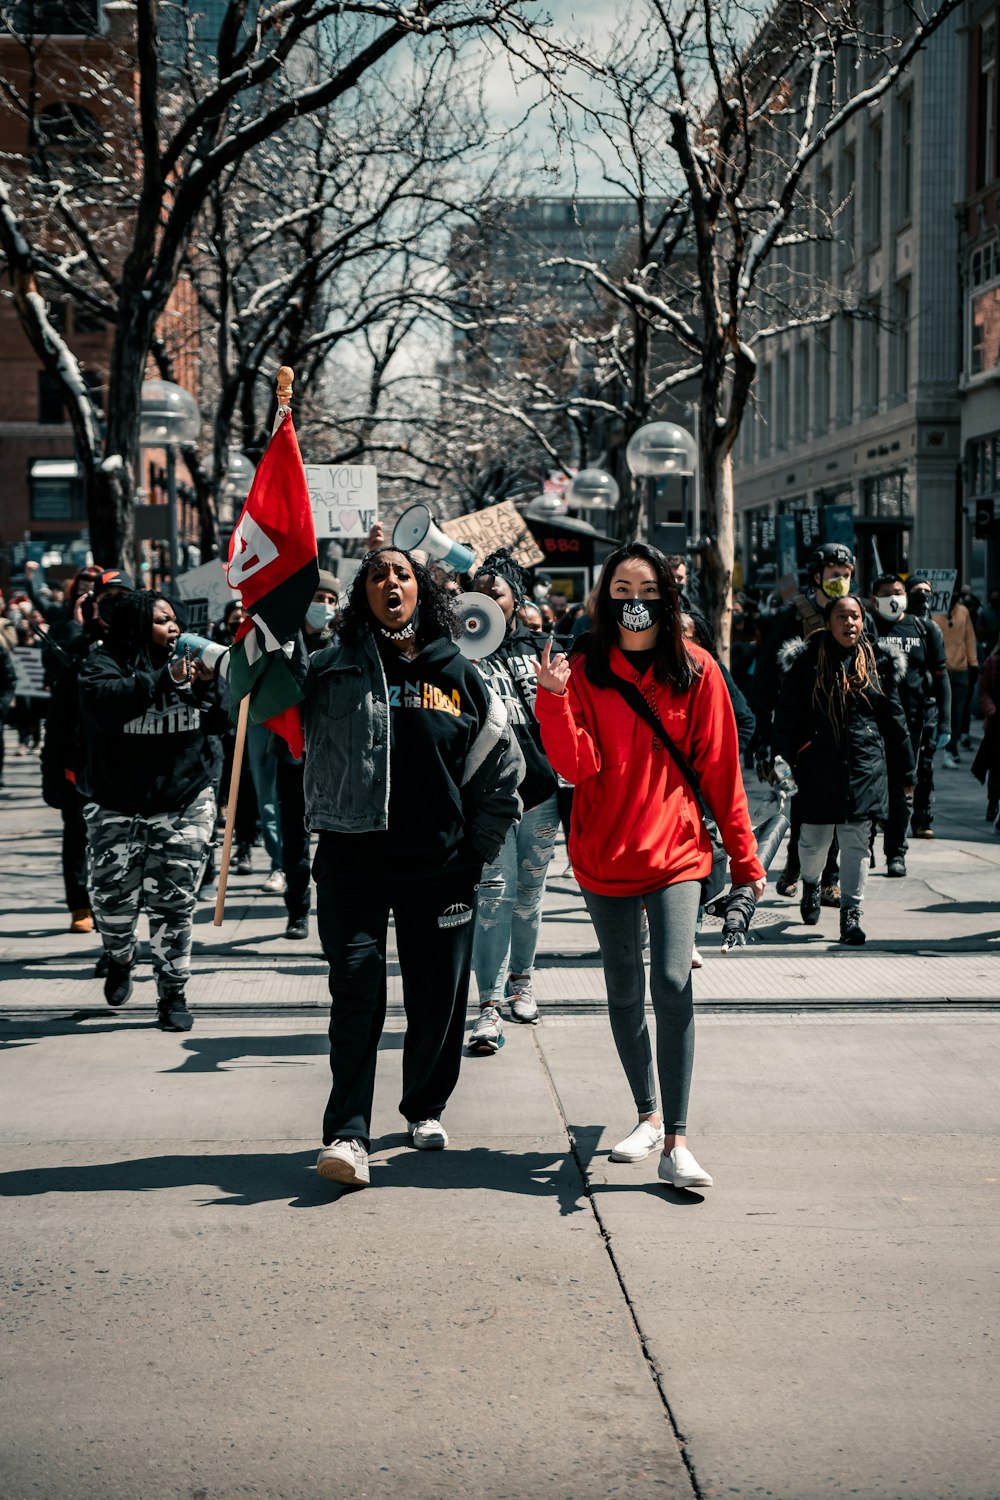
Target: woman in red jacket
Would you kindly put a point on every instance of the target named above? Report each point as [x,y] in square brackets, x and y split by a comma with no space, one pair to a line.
[637,836]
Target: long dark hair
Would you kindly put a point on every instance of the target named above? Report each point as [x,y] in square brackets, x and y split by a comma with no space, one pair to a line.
[436,613]
[672,661]
[130,633]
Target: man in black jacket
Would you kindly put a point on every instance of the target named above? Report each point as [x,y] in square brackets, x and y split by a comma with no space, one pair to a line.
[925,694]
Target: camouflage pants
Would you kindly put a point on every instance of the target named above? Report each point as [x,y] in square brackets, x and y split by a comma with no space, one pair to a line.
[153,862]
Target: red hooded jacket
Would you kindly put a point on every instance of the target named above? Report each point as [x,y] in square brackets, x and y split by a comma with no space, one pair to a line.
[636,823]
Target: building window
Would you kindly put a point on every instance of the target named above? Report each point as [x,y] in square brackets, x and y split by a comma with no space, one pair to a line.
[51,410]
[766,413]
[821,365]
[871,361]
[984,309]
[900,373]
[873,217]
[845,371]
[802,393]
[848,183]
[782,392]
[824,210]
[905,168]
[55,18]
[56,490]
[986,106]
[886,496]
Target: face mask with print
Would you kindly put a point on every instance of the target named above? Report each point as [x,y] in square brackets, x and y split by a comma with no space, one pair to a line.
[836,588]
[637,614]
[320,615]
[891,606]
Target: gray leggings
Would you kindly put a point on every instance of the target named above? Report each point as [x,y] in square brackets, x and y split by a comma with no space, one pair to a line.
[672,913]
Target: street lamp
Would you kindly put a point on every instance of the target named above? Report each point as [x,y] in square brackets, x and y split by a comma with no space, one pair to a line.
[657,451]
[592,489]
[545,508]
[235,486]
[168,415]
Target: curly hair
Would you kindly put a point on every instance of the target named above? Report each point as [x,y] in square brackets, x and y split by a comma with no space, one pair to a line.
[130,633]
[503,564]
[672,661]
[436,611]
[839,677]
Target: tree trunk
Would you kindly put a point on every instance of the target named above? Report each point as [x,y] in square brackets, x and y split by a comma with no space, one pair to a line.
[719,555]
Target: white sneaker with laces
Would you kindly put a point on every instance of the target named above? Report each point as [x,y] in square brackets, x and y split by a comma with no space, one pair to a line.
[487,1034]
[275,883]
[637,1146]
[522,1002]
[344,1161]
[697,962]
[682,1171]
[427,1135]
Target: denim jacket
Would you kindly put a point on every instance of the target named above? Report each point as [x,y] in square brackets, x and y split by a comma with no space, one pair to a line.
[347,770]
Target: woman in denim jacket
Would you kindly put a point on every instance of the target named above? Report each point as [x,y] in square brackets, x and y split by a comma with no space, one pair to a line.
[411,777]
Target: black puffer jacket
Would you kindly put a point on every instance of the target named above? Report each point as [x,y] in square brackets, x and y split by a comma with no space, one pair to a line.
[842,778]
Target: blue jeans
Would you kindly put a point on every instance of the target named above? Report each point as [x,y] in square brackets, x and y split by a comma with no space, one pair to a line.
[264,771]
[510,901]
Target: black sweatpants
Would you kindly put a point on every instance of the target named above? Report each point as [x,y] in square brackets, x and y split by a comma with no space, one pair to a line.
[434,912]
[74,851]
[294,839]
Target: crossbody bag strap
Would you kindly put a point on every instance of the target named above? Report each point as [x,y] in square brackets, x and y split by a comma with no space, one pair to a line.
[635,700]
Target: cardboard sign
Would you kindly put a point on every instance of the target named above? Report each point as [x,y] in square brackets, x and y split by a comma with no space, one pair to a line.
[196,615]
[344,499]
[496,526]
[942,582]
[29,670]
[206,582]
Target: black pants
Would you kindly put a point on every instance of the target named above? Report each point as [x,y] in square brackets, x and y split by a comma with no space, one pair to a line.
[923,796]
[294,839]
[74,852]
[960,709]
[830,870]
[435,921]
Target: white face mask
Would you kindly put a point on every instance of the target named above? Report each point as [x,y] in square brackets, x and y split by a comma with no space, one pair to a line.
[891,606]
[319,615]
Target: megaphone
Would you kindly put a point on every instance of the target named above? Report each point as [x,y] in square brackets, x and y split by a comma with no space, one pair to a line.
[416,528]
[197,648]
[483,625]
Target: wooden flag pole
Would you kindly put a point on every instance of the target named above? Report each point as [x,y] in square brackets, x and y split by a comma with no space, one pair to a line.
[284,392]
[234,793]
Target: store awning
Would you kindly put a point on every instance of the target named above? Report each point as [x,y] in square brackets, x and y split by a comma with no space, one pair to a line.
[572,543]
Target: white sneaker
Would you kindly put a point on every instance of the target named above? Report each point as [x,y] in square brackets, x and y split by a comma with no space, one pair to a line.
[682,1171]
[487,1034]
[951,762]
[275,883]
[522,1002]
[428,1135]
[344,1161]
[697,962]
[637,1146]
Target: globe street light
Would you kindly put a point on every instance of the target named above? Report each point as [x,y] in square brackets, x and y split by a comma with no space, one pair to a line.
[545,508]
[236,485]
[660,450]
[168,415]
[592,489]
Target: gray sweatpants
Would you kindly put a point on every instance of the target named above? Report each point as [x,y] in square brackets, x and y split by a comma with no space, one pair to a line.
[154,862]
[673,914]
[814,842]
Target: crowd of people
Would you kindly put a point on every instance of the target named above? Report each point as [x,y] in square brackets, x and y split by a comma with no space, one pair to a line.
[432,788]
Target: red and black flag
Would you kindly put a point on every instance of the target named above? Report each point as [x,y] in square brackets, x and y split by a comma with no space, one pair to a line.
[273,566]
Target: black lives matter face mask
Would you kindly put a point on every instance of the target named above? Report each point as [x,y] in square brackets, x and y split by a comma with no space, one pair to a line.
[637,614]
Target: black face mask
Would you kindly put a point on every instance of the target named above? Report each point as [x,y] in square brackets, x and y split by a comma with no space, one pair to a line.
[917,603]
[637,614]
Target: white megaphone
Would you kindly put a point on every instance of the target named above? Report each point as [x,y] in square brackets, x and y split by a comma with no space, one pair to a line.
[483,625]
[416,528]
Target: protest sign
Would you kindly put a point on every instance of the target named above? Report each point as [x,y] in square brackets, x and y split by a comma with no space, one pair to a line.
[344,499]
[496,526]
[942,582]
[29,672]
[206,582]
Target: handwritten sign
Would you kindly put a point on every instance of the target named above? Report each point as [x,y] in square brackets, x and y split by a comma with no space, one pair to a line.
[29,672]
[206,582]
[942,582]
[496,526]
[344,499]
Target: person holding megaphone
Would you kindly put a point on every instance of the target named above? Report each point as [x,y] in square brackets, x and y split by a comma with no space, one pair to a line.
[411,778]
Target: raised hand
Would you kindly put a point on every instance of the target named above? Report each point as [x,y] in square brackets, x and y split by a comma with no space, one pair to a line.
[553,672]
[376,537]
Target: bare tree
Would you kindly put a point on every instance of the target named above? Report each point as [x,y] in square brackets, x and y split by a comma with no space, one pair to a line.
[122,231]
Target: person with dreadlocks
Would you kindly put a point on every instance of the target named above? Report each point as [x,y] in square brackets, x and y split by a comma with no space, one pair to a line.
[840,726]
[513,885]
[411,778]
[641,723]
[152,757]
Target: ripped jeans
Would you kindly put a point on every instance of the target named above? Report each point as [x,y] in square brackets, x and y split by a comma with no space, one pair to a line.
[510,902]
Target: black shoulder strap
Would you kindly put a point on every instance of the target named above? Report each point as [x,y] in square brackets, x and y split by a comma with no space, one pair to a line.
[639,705]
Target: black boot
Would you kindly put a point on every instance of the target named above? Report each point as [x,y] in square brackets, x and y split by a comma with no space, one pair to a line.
[809,905]
[172,1012]
[788,879]
[851,932]
[118,983]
